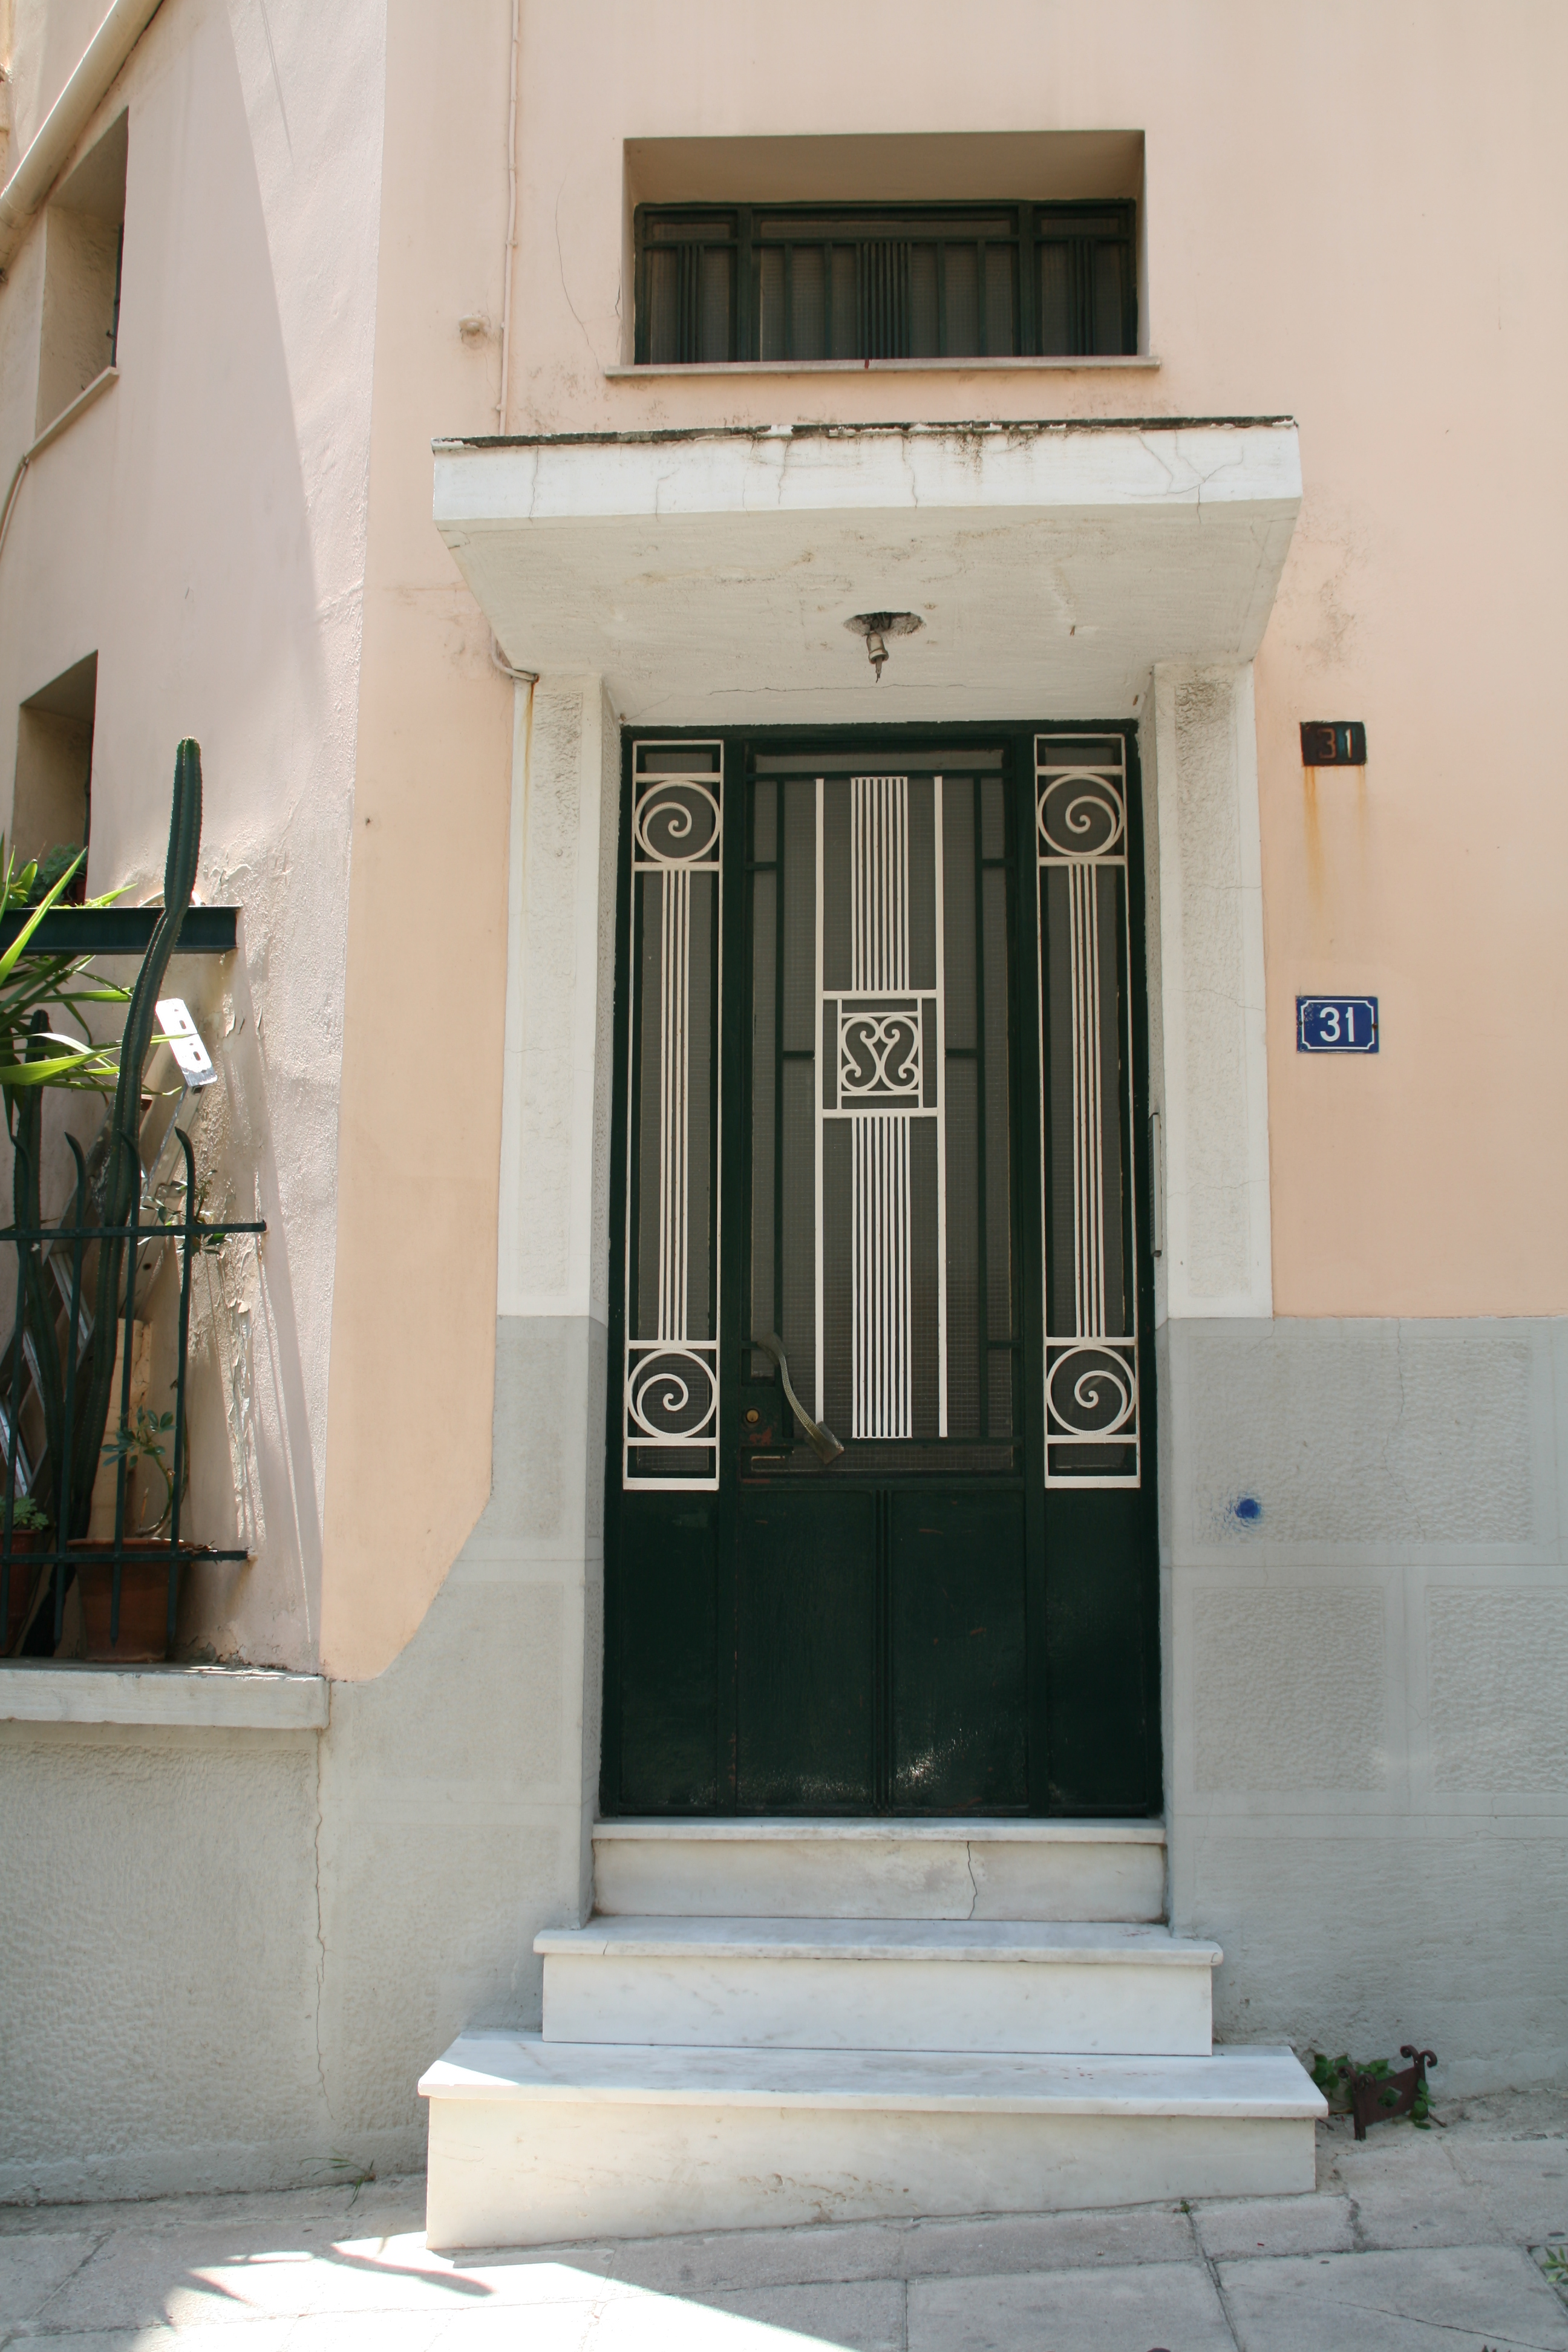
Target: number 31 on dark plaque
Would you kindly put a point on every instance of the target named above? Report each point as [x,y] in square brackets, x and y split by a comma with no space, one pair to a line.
[1336,1025]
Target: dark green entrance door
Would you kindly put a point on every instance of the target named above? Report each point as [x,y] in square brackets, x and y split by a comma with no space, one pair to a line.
[880,1534]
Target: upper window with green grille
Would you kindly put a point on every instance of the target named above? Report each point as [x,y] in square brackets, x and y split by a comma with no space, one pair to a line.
[791,282]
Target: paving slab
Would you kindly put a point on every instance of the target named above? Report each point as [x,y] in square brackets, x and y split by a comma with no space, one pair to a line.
[1276,2225]
[1127,2309]
[1522,2183]
[787,2319]
[1405,2191]
[862,2316]
[32,2269]
[1461,2298]
[1020,2243]
[745,2259]
[193,2278]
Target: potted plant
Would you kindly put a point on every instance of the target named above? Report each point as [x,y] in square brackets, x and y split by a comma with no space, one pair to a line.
[143,1632]
[76,1398]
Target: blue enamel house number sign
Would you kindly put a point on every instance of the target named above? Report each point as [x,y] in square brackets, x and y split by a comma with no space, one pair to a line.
[1336,1025]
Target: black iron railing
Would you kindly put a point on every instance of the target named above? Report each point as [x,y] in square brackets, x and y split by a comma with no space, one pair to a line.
[58,1480]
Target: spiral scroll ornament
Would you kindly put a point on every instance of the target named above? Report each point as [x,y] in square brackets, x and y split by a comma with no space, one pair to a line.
[678,823]
[1082,814]
[672,1397]
[1092,1391]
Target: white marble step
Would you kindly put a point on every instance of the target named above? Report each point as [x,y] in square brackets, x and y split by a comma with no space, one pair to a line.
[879,1984]
[881,1869]
[534,2140]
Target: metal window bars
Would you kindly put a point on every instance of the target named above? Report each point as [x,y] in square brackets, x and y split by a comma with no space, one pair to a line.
[43,1254]
[855,281]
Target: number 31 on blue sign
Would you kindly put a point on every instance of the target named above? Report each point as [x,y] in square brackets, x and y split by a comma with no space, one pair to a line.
[1336,1025]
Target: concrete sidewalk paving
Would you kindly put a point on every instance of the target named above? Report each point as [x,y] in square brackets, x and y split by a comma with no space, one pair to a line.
[1413,2240]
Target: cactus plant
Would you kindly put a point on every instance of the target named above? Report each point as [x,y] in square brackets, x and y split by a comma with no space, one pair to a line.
[123,1185]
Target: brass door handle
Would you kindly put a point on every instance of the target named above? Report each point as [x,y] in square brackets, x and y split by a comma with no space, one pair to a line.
[822,1442]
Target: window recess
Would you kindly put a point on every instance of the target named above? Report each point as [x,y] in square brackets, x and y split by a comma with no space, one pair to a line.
[781,284]
[84,249]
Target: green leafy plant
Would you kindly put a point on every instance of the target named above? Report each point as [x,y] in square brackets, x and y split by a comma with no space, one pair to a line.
[27,1517]
[1332,2076]
[34,986]
[144,1440]
[1555,2263]
[36,991]
[122,1184]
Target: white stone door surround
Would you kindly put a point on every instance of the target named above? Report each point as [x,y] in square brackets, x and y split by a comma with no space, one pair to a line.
[1064,572]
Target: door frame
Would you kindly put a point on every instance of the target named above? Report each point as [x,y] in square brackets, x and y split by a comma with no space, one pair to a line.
[1016,740]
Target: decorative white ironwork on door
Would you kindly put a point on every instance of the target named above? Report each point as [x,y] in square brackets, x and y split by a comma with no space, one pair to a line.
[1093,1437]
[879,988]
[672,1369]
[879,1245]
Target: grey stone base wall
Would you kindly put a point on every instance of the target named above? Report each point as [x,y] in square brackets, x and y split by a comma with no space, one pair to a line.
[225,1957]
[1366,1682]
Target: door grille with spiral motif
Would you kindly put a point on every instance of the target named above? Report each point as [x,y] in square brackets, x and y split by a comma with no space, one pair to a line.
[878,1129]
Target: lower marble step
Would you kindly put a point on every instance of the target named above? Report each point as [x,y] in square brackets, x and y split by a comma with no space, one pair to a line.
[532,2142]
[880,1984]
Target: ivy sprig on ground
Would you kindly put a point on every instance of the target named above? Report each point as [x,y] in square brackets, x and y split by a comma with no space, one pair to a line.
[1332,2076]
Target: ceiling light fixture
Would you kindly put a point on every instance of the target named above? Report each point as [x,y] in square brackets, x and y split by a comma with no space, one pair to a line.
[877,628]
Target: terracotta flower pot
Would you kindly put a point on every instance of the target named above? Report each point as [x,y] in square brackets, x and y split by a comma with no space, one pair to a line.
[143,1605]
[23,1541]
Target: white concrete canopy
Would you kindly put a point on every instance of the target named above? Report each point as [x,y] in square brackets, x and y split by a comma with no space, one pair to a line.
[708,574]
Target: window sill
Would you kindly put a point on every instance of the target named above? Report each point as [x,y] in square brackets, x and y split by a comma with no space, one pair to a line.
[888,367]
[211,1698]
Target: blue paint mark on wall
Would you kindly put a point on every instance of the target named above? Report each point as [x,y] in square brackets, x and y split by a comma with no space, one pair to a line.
[1247,1508]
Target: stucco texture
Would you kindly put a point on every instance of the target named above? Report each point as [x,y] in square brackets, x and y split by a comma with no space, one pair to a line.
[226,1959]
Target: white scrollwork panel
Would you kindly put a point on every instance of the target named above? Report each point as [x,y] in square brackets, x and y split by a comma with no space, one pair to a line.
[672,1369]
[1092,1428]
[883,1031]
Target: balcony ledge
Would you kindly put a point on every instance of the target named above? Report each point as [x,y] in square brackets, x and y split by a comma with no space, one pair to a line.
[204,1698]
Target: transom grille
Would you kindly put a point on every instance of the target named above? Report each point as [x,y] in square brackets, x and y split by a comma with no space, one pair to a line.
[793,283]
